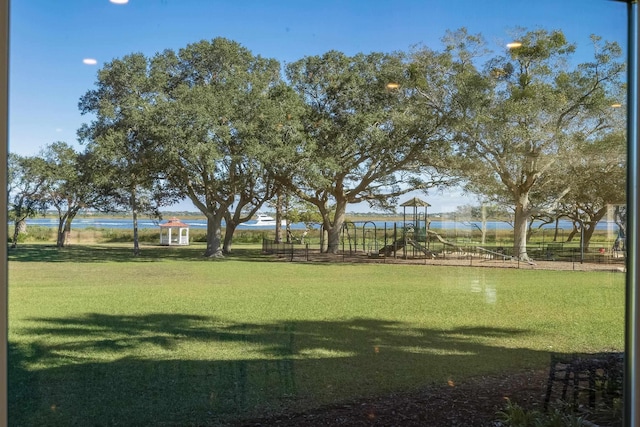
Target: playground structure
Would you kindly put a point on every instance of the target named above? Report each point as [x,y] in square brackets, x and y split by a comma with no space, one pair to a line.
[414,239]
[414,235]
[411,238]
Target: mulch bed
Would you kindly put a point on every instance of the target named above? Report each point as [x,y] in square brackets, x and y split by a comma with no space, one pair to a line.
[472,403]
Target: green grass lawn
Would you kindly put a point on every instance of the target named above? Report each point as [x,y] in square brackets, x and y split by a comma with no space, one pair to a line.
[97,337]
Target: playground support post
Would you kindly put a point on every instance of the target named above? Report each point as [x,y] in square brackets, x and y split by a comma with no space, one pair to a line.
[375,236]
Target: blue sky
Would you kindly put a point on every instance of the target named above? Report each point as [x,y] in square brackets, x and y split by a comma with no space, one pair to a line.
[50,38]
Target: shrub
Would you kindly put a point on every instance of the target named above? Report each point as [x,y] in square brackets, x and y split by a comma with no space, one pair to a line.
[249,236]
[34,234]
[515,416]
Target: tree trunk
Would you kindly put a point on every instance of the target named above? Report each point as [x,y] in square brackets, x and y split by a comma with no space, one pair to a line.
[278,217]
[67,227]
[61,228]
[590,227]
[333,239]
[288,222]
[19,227]
[620,218]
[214,233]
[334,230]
[136,243]
[228,237]
[573,232]
[483,211]
[14,241]
[134,210]
[67,231]
[557,229]
[288,228]
[64,229]
[520,227]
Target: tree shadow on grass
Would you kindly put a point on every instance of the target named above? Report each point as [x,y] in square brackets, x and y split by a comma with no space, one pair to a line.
[100,369]
[122,253]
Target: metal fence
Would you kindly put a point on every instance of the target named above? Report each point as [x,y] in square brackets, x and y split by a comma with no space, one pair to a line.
[290,251]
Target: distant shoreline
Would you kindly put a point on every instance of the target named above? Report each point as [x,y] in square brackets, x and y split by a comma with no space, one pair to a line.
[200,216]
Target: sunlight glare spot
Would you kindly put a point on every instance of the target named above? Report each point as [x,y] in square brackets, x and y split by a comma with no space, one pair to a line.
[514,45]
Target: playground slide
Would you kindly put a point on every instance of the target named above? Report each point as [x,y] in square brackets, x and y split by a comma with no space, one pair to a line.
[504,257]
[400,243]
[419,247]
[440,239]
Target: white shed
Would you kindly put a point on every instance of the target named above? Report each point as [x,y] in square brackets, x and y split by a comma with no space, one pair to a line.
[174,232]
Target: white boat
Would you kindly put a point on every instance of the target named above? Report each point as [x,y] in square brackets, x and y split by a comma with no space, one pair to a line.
[265,221]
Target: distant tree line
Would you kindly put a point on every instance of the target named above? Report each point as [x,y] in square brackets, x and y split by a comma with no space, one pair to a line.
[525,128]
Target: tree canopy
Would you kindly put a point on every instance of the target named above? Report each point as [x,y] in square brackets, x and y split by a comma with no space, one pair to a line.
[364,137]
[122,136]
[524,111]
[528,128]
[220,108]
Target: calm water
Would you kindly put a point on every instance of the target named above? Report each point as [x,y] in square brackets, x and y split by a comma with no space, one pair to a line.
[565,226]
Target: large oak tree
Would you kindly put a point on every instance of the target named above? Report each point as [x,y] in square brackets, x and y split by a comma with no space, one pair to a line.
[122,136]
[597,181]
[220,110]
[367,135]
[522,111]
[73,181]
[26,181]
